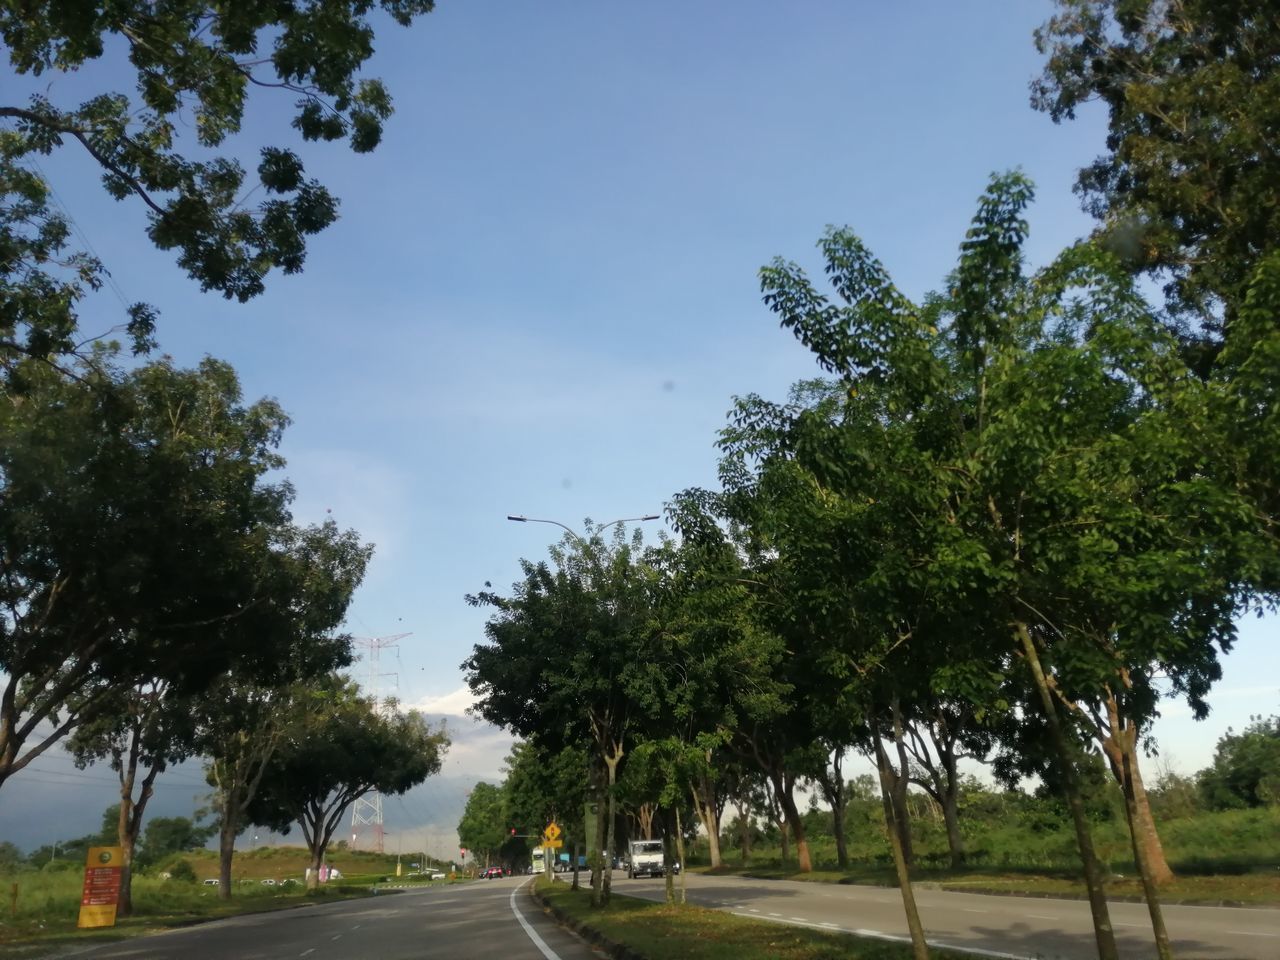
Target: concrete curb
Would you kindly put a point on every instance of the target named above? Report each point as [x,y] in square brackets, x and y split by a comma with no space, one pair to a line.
[618,951]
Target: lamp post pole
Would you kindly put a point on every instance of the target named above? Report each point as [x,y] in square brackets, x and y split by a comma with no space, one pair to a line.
[591,810]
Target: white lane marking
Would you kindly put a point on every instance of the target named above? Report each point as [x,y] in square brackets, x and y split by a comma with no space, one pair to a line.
[801,919]
[1041,916]
[356,927]
[305,952]
[775,914]
[533,934]
[973,910]
[1249,933]
[338,937]
[834,926]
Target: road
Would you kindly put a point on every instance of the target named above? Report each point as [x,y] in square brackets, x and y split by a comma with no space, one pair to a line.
[1013,926]
[477,919]
[497,918]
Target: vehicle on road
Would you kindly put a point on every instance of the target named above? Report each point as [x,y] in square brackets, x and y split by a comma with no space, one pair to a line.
[493,873]
[644,859]
[436,875]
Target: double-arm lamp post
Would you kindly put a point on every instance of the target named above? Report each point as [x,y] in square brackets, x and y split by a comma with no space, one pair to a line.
[592,809]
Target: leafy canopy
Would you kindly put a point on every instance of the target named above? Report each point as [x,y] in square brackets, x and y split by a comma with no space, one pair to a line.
[192,60]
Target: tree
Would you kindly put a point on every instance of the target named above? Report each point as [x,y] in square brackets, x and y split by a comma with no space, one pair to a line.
[243,716]
[189,60]
[1025,451]
[1246,767]
[336,748]
[166,836]
[136,525]
[1187,187]
[569,657]
[484,826]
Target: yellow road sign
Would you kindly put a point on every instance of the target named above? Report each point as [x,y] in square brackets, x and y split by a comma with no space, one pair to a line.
[552,844]
[552,832]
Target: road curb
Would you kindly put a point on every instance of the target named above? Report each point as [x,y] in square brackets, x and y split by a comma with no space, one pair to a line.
[618,951]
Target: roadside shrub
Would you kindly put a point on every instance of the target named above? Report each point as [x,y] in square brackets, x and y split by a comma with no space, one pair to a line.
[180,871]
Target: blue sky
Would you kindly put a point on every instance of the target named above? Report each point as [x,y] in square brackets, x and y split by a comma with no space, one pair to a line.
[542,296]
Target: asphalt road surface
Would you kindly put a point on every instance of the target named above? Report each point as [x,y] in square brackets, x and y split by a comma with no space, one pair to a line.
[487,918]
[1010,926]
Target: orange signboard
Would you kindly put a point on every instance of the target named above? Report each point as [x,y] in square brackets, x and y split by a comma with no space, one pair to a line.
[101,892]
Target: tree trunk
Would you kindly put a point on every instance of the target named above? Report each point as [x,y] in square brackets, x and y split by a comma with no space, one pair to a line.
[577,847]
[951,817]
[606,884]
[1124,738]
[781,822]
[644,814]
[842,845]
[788,802]
[919,948]
[704,803]
[1102,930]
[684,888]
[226,849]
[668,858]
[744,833]
[317,861]
[1121,749]
[901,781]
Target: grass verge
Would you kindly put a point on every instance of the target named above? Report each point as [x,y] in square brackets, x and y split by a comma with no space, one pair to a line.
[659,931]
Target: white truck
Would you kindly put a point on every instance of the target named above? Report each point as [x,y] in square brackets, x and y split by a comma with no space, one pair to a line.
[644,858]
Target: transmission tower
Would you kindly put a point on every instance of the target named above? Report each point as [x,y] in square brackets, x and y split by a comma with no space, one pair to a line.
[368,808]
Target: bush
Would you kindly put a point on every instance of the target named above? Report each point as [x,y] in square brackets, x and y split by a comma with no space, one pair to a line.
[180,871]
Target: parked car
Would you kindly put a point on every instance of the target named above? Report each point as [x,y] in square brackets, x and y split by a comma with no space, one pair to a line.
[212,882]
[437,875]
[268,882]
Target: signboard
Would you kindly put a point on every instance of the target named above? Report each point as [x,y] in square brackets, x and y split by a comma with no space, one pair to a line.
[101,893]
[552,832]
[552,844]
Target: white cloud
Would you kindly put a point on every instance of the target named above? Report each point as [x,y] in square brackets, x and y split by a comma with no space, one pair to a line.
[453,704]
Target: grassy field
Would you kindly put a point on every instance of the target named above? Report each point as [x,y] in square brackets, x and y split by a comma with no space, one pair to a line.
[1233,855]
[40,907]
[662,932]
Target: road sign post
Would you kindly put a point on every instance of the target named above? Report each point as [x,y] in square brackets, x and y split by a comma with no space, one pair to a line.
[101,892]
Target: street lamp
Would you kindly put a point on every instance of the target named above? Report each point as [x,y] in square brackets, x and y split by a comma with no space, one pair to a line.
[573,533]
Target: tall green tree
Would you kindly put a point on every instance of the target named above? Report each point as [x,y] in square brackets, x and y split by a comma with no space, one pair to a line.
[484,826]
[337,748]
[168,144]
[137,523]
[1031,458]
[569,657]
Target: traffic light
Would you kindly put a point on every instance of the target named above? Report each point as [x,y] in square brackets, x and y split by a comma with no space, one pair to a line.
[513,831]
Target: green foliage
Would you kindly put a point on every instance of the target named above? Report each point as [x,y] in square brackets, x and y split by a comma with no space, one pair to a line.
[1246,768]
[180,871]
[334,747]
[1187,186]
[166,836]
[194,62]
[484,826]
[139,518]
